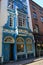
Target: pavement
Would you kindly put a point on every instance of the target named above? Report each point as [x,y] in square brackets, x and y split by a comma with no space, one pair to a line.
[26,62]
[40,62]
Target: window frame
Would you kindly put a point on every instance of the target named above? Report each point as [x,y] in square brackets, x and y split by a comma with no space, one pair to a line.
[36,28]
[41,11]
[34,15]
[27,45]
[12,16]
[41,18]
[21,41]
[20,48]
[22,19]
[10,4]
[33,6]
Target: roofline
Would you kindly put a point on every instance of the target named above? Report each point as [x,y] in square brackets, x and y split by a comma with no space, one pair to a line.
[36,4]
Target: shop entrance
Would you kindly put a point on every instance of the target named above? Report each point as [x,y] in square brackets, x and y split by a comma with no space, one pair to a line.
[39,50]
[11,51]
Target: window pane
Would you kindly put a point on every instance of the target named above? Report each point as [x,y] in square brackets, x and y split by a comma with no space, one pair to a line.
[36,29]
[29,47]
[33,6]
[10,21]
[41,11]
[10,3]
[20,47]
[34,15]
[24,22]
[19,21]
[42,19]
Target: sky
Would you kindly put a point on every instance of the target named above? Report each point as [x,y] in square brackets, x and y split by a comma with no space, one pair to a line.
[40,2]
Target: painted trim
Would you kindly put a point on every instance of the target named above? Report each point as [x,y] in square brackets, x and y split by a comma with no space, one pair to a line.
[20,38]
[29,40]
[13,41]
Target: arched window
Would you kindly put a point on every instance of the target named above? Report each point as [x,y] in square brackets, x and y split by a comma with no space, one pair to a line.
[20,45]
[9,39]
[28,40]
[20,39]
[29,44]
[36,28]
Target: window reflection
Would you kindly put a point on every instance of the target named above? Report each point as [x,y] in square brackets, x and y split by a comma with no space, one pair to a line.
[29,47]
[20,47]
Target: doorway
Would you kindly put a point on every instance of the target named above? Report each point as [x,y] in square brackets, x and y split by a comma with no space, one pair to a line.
[11,52]
[40,50]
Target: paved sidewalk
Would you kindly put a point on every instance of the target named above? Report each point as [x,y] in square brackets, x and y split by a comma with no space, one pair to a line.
[24,62]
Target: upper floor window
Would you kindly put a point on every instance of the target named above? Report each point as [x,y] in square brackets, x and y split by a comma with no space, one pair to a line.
[24,2]
[33,6]
[11,20]
[21,19]
[34,15]
[10,4]
[42,19]
[41,11]
[36,28]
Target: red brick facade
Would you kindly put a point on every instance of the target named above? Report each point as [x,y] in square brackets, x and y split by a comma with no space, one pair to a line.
[37,19]
[39,15]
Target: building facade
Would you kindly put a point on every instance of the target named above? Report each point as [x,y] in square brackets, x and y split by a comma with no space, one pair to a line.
[3,18]
[17,40]
[37,23]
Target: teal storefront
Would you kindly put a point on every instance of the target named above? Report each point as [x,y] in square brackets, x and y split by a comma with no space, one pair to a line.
[18,48]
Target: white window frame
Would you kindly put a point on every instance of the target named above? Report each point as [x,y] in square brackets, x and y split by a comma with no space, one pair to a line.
[12,16]
[22,19]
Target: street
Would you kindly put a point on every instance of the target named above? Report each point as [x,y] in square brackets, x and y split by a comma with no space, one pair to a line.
[38,61]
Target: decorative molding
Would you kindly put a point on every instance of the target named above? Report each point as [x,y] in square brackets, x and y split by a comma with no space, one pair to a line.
[9,31]
[9,39]
[28,40]
[20,39]
[22,31]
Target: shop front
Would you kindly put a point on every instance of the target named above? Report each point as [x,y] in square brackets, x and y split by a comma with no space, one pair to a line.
[39,49]
[8,48]
[38,45]
[18,48]
[24,48]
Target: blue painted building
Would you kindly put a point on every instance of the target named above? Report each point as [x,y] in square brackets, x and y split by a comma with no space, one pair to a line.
[17,42]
